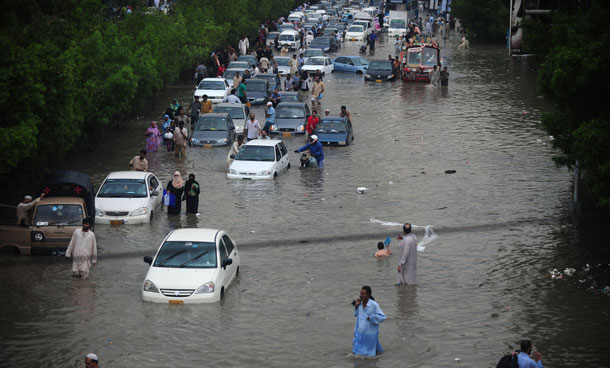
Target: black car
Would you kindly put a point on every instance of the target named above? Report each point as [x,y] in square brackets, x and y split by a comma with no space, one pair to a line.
[213,130]
[380,71]
[290,118]
[320,43]
[275,82]
[257,91]
[332,41]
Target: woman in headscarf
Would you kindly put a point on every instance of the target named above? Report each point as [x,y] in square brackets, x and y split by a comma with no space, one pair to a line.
[152,137]
[191,194]
[175,189]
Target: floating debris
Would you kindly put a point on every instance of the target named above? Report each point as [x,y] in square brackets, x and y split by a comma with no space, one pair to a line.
[361,190]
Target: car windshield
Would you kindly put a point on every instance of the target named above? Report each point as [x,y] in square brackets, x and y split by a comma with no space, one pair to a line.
[247,59]
[380,66]
[289,97]
[211,123]
[355,29]
[430,56]
[255,87]
[320,41]
[286,37]
[331,126]
[256,153]
[186,254]
[398,23]
[414,56]
[123,188]
[313,52]
[282,61]
[314,61]
[360,61]
[235,112]
[289,112]
[215,85]
[58,214]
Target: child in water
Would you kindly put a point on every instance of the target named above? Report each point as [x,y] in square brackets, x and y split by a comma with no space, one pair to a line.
[383,251]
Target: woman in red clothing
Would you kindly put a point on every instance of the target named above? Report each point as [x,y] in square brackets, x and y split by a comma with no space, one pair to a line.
[312,122]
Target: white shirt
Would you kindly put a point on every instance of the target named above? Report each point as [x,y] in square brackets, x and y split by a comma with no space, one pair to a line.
[253,128]
[231,99]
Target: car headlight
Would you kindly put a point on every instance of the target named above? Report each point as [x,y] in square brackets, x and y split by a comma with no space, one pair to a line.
[208,287]
[265,172]
[342,143]
[232,171]
[367,75]
[99,212]
[194,140]
[139,212]
[300,128]
[150,287]
[222,140]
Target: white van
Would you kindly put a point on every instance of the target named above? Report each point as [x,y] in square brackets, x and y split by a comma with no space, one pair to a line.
[295,17]
[289,38]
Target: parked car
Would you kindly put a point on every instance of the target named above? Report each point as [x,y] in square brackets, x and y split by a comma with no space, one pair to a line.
[320,43]
[191,266]
[290,118]
[250,59]
[356,64]
[355,33]
[260,159]
[237,112]
[312,52]
[322,63]
[334,130]
[379,71]
[230,73]
[239,65]
[215,88]
[282,65]
[270,39]
[332,41]
[257,91]
[290,96]
[275,81]
[128,197]
[213,129]
[290,39]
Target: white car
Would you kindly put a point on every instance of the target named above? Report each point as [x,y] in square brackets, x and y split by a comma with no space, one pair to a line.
[282,65]
[215,88]
[355,33]
[128,197]
[323,63]
[289,38]
[260,159]
[191,266]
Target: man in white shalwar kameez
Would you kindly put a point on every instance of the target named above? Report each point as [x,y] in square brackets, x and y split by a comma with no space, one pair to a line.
[83,250]
[407,258]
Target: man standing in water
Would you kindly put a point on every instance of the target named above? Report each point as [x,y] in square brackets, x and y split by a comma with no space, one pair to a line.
[83,250]
[407,257]
[368,317]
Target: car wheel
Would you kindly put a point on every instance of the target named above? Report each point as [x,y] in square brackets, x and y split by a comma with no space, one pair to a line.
[222,292]
[359,72]
[151,215]
[237,271]
[274,175]
[332,71]
[288,166]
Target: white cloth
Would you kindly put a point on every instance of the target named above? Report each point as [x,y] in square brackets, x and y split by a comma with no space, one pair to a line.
[23,209]
[253,129]
[83,250]
[407,260]
[243,46]
[235,147]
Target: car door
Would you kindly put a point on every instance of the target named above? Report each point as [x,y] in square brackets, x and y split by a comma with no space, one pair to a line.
[284,154]
[154,186]
[339,63]
[231,269]
[223,272]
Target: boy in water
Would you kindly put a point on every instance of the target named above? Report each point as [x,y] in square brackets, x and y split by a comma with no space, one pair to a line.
[383,251]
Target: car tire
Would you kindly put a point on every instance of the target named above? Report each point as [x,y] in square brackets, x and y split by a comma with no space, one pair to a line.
[274,175]
[332,71]
[359,72]
[288,166]
[237,271]
[151,216]
[222,292]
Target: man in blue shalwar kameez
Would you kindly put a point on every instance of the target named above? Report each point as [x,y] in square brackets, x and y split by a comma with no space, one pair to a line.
[368,317]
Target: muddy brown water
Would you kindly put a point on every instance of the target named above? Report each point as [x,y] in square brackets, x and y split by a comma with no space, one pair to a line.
[307,240]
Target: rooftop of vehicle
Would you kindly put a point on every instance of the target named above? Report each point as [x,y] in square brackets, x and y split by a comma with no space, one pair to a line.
[127,175]
[263,142]
[199,235]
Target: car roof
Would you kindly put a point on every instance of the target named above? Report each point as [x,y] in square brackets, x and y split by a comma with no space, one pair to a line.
[263,142]
[255,81]
[228,104]
[207,235]
[245,57]
[289,93]
[282,57]
[299,104]
[127,175]
[318,57]
[214,115]
[292,31]
[381,61]
[333,117]
[214,79]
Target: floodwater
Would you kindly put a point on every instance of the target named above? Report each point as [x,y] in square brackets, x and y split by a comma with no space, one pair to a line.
[307,241]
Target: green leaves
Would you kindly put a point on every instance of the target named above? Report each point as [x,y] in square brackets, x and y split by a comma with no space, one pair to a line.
[484,20]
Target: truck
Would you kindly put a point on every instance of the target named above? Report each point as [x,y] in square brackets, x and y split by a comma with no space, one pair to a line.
[69,198]
[397,23]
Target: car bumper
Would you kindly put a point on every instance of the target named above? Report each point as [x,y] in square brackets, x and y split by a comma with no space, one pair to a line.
[249,177]
[208,145]
[122,220]
[192,299]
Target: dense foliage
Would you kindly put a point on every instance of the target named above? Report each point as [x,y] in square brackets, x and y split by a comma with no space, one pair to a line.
[575,75]
[69,69]
[483,20]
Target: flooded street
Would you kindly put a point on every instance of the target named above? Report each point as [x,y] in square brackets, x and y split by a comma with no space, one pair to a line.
[307,240]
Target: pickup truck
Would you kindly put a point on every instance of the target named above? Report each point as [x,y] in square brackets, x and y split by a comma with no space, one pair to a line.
[69,198]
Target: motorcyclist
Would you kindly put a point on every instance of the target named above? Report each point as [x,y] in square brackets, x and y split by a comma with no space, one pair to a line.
[315,150]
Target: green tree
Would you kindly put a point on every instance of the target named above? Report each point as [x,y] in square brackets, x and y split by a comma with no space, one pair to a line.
[484,20]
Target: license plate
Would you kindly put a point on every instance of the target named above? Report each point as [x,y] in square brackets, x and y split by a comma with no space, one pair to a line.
[176,302]
[378,80]
[286,134]
[207,146]
[247,178]
[117,222]
[353,39]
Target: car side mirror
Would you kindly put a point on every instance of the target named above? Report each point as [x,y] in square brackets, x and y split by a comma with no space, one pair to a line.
[155,193]
[148,259]
[226,262]
[232,156]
